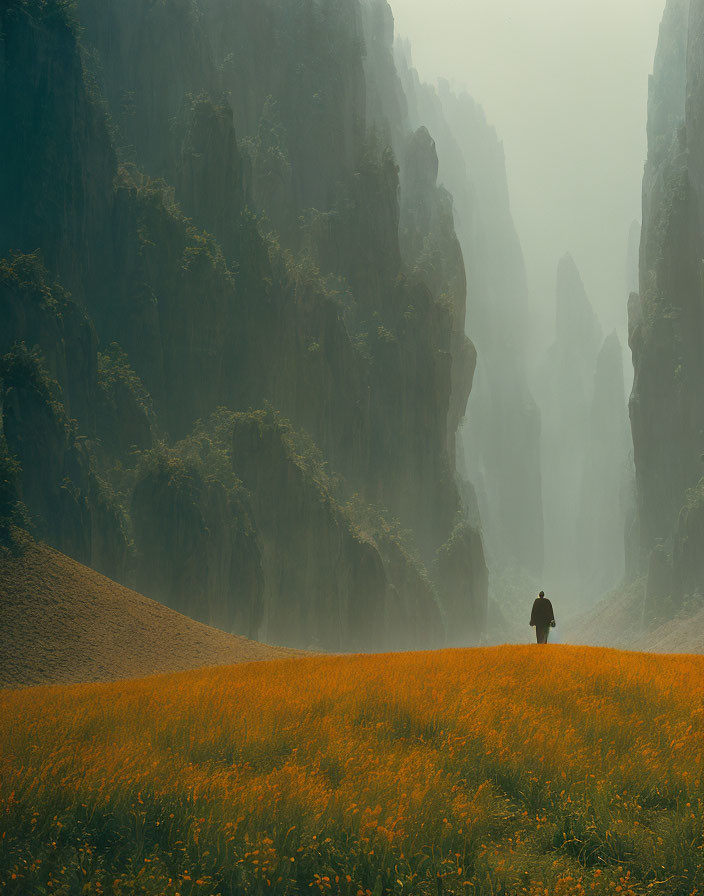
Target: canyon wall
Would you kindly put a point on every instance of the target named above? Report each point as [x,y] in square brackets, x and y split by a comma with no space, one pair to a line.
[499,439]
[666,320]
[218,207]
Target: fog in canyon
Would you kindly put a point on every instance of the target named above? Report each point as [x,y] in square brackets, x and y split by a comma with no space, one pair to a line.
[319,319]
[566,86]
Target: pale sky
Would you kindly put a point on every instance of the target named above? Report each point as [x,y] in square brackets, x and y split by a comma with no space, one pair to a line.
[565,83]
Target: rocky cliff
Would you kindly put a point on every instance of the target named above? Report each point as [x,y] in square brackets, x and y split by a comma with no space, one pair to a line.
[565,386]
[500,437]
[49,372]
[666,317]
[585,449]
[604,498]
[231,212]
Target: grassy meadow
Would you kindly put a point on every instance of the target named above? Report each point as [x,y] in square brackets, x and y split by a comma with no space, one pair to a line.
[514,770]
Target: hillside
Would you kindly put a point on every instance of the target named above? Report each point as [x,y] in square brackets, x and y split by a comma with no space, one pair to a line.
[513,770]
[680,635]
[62,622]
[619,621]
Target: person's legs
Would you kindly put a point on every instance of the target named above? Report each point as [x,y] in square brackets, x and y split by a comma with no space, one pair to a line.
[541,634]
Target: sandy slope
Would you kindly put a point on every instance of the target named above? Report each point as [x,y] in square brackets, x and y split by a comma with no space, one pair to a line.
[684,635]
[617,622]
[61,622]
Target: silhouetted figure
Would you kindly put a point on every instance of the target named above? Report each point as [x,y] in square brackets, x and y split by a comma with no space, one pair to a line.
[542,618]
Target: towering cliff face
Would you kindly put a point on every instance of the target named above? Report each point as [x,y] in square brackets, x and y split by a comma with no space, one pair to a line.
[565,387]
[432,251]
[311,275]
[605,485]
[198,550]
[500,439]
[48,370]
[359,589]
[58,163]
[296,88]
[632,252]
[666,319]
[665,443]
[586,457]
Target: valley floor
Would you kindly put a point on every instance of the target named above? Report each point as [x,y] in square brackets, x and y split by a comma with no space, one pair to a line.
[511,770]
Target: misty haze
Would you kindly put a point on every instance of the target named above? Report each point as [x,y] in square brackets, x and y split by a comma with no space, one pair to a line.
[351,447]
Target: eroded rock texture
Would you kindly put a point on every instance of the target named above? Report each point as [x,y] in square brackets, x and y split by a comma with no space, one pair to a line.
[500,438]
[667,318]
[587,472]
[233,211]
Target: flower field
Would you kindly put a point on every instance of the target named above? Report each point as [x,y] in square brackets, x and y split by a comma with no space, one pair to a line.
[511,770]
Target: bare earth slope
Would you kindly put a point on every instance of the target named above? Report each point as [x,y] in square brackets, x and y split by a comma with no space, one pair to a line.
[684,635]
[61,622]
[617,621]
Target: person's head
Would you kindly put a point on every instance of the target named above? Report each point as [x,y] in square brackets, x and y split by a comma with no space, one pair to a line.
[542,594]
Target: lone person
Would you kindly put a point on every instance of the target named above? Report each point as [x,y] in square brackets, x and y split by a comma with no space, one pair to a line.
[542,618]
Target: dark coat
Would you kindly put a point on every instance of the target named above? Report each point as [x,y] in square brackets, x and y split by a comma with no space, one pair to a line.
[542,614]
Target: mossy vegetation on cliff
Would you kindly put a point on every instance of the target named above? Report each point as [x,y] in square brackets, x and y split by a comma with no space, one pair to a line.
[69,505]
[229,224]
[10,508]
